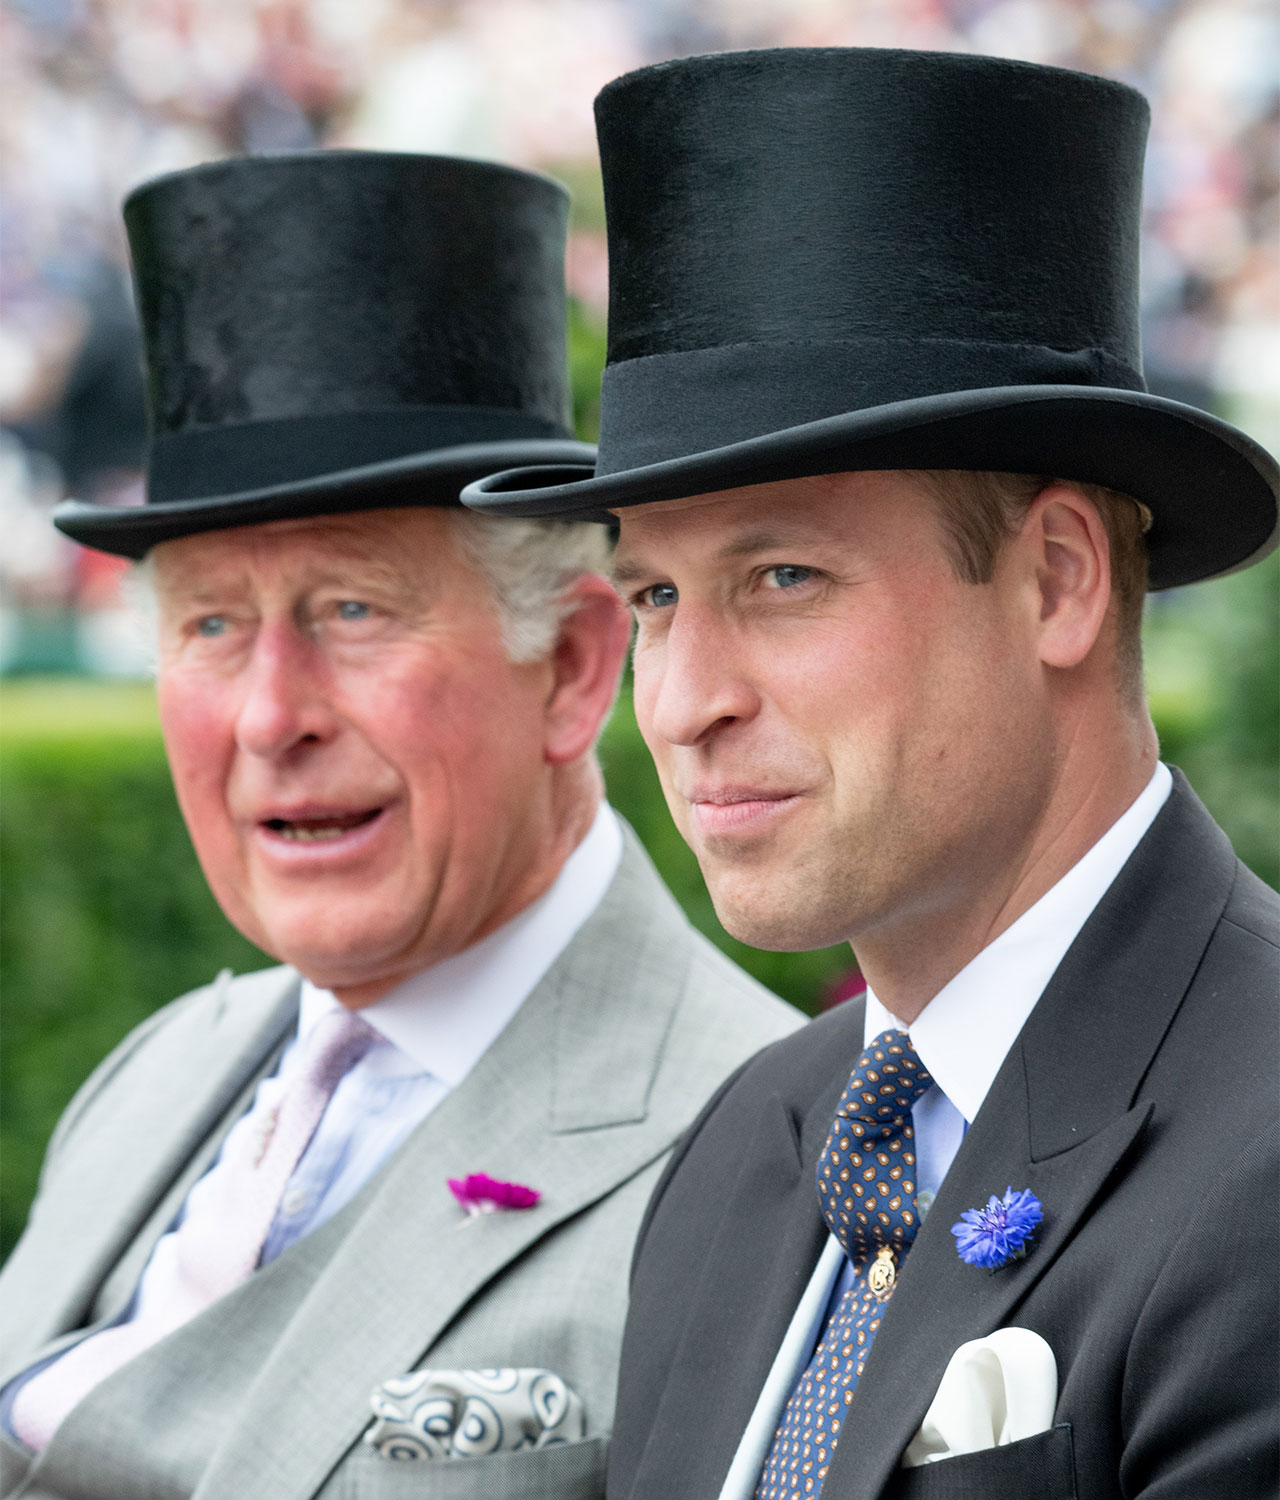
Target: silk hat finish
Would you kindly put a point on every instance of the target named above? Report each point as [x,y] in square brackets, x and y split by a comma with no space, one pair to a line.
[846,258]
[339,330]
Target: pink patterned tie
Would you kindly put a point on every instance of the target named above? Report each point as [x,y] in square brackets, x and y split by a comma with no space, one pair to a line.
[229,1215]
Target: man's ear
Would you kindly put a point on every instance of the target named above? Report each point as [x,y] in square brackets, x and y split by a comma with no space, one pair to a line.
[586,663]
[1066,550]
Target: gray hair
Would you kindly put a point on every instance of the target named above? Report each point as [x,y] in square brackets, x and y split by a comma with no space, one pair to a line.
[529,566]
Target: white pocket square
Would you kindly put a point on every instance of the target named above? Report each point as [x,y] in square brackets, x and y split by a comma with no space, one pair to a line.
[995,1390]
[469,1413]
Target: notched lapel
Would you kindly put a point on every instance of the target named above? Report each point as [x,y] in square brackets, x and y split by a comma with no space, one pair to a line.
[941,1303]
[760,1253]
[760,1256]
[1091,1038]
[538,1108]
[121,1160]
[604,1055]
[1062,1114]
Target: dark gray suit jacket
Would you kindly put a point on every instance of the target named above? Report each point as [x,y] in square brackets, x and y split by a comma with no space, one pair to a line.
[1139,1103]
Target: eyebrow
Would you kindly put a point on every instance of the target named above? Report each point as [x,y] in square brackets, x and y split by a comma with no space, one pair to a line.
[765,539]
[749,544]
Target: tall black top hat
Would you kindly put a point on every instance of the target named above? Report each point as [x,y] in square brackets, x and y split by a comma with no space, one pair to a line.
[336,331]
[834,259]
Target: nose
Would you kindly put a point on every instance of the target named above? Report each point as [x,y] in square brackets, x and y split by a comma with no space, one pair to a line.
[694,684]
[284,705]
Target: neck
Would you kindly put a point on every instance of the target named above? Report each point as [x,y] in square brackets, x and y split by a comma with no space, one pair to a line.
[908,961]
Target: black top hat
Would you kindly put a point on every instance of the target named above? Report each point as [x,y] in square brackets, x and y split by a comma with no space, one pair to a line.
[336,331]
[835,259]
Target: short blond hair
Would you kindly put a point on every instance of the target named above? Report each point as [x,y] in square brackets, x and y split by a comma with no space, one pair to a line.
[980,511]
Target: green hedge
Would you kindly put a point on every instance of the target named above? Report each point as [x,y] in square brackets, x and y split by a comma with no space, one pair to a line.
[105,915]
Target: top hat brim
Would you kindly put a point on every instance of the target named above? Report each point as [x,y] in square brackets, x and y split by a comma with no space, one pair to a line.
[1211,489]
[434,478]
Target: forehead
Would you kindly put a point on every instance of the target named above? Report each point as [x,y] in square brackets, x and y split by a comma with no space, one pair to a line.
[406,546]
[883,508]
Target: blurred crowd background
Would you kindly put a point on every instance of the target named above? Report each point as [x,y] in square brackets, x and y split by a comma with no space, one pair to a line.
[105,915]
[100,94]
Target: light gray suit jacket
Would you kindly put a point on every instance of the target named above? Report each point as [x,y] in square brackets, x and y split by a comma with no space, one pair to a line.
[265,1395]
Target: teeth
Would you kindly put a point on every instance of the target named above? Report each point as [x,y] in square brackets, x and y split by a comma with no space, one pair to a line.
[318,832]
[312,834]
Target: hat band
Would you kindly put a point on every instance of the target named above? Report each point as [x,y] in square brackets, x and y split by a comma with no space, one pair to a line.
[240,457]
[666,406]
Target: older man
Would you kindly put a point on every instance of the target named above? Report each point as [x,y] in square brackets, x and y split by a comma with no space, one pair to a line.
[409,1166]
[888,565]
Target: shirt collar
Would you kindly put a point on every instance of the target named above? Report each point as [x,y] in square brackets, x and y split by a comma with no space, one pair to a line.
[964,1033]
[445,1017]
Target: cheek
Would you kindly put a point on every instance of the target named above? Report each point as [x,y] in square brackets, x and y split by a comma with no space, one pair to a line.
[644,692]
[197,736]
[456,731]
[646,681]
[200,749]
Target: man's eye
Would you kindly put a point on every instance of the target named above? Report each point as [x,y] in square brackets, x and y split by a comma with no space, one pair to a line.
[212,626]
[660,595]
[352,609]
[789,575]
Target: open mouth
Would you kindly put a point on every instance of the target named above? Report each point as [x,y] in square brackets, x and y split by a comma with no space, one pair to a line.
[319,830]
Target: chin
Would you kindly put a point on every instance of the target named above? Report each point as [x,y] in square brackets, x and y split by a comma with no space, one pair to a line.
[334,960]
[778,929]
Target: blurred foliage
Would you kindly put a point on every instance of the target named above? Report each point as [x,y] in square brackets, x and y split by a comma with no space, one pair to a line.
[105,913]
[586,360]
[1213,681]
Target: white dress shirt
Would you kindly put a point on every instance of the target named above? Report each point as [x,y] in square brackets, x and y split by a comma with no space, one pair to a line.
[434,1028]
[964,1033]
[962,1037]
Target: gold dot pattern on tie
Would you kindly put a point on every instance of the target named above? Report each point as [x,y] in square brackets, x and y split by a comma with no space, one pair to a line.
[226,1222]
[867,1193]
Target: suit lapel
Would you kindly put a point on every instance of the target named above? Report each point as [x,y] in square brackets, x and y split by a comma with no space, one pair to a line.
[541,1107]
[1063,1113]
[761,1254]
[942,1303]
[126,1158]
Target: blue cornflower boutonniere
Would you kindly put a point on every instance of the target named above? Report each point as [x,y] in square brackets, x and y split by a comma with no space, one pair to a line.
[1000,1233]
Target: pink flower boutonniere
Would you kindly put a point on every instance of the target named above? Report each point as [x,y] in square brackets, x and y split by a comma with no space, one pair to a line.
[481,1194]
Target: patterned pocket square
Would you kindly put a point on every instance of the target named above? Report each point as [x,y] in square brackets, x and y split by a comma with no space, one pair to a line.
[469,1413]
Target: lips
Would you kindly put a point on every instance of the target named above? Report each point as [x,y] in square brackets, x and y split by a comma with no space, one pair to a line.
[727,796]
[738,810]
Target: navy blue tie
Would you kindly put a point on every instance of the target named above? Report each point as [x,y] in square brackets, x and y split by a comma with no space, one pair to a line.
[867,1192]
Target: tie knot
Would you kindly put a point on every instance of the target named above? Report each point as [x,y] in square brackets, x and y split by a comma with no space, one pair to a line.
[337,1041]
[867,1170]
[885,1083]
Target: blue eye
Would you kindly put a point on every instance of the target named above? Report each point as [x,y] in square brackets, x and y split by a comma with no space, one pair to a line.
[212,626]
[660,596]
[788,576]
[352,609]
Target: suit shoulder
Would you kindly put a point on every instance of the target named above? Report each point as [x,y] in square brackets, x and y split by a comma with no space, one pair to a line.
[248,994]
[720,1011]
[797,1067]
[1254,907]
[717,986]
[720,1017]
[1240,973]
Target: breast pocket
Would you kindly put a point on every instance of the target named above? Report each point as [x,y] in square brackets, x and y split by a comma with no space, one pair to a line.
[1037,1468]
[567,1471]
